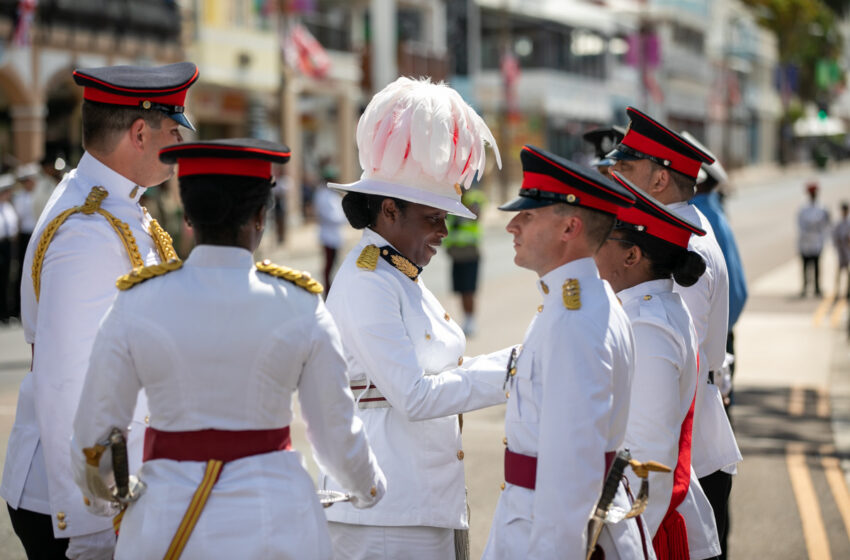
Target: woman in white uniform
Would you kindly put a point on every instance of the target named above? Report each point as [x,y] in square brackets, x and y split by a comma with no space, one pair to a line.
[647,250]
[219,345]
[419,143]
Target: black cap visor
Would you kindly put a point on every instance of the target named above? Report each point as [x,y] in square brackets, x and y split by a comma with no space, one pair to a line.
[533,198]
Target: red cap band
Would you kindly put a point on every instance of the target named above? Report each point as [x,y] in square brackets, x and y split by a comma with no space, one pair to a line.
[224,166]
[135,99]
[531,180]
[678,162]
[655,227]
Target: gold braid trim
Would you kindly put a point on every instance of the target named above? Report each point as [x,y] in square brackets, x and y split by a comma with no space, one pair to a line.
[143,273]
[571,294]
[300,279]
[368,259]
[162,240]
[90,206]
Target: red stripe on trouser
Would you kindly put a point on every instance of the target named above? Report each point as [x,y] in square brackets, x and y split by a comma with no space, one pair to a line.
[521,470]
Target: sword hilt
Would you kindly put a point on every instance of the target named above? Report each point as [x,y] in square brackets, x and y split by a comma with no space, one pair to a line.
[120,465]
[612,480]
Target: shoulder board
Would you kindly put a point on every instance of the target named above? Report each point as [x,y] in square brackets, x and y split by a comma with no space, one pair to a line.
[571,294]
[368,259]
[141,274]
[297,277]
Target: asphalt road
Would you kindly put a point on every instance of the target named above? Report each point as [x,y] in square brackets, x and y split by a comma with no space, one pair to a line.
[792,408]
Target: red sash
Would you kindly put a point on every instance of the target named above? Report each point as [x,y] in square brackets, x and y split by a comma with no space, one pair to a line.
[521,470]
[221,445]
[671,539]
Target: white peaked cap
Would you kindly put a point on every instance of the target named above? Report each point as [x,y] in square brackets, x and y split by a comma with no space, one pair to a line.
[715,170]
[421,142]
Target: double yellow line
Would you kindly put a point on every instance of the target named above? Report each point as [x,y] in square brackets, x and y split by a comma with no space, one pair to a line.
[814,530]
[832,307]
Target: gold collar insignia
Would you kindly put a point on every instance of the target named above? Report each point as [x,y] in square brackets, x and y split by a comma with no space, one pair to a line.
[571,294]
[402,263]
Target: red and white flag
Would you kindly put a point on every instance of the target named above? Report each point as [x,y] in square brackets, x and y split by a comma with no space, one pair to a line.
[304,53]
[26,14]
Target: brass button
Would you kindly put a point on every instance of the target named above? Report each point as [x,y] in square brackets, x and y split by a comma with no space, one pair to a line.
[540,308]
[512,371]
[460,455]
[503,486]
[86,501]
[647,297]
[505,440]
[60,516]
[427,336]
[460,361]
[373,491]
[146,104]
[267,262]
[507,394]
[61,525]
[544,287]
[446,316]
[147,419]
[385,252]
[571,198]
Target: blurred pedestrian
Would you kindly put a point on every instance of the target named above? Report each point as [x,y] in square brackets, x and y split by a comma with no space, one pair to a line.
[405,353]
[647,250]
[24,201]
[9,232]
[603,140]
[91,232]
[463,245]
[841,239]
[327,204]
[710,181]
[665,165]
[244,339]
[812,228]
[569,387]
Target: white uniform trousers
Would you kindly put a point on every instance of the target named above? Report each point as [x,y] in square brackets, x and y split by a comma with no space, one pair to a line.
[376,542]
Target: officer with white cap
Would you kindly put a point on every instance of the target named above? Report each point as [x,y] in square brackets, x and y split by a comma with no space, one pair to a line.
[91,231]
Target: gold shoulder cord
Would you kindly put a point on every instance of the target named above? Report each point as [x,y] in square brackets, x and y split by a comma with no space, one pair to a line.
[92,205]
[139,275]
[300,279]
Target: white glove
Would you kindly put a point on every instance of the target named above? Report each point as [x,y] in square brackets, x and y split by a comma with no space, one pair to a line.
[373,496]
[93,546]
[724,383]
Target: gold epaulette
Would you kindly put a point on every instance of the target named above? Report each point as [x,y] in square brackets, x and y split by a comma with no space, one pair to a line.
[368,259]
[571,294]
[141,274]
[297,277]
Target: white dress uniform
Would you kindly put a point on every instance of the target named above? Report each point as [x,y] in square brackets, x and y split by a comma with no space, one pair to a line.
[812,226]
[78,276]
[665,358]
[568,406]
[398,337]
[713,446]
[218,345]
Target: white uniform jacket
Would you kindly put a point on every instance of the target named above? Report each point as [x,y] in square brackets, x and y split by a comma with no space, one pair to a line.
[77,286]
[398,336]
[219,345]
[568,406]
[812,229]
[664,384]
[713,446]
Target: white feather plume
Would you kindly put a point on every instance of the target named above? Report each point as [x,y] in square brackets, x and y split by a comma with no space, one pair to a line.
[414,131]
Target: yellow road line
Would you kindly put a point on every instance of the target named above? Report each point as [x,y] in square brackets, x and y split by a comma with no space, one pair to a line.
[814,531]
[823,403]
[796,401]
[822,309]
[837,312]
[838,485]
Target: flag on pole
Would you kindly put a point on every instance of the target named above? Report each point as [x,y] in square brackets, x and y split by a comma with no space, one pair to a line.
[304,53]
[26,14]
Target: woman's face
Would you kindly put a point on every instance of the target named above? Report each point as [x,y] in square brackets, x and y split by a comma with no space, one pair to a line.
[416,231]
[613,259]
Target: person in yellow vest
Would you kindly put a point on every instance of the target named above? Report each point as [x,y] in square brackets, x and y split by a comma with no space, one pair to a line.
[91,231]
[235,341]
[463,247]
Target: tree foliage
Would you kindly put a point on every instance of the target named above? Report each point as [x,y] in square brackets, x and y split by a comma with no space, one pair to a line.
[807,33]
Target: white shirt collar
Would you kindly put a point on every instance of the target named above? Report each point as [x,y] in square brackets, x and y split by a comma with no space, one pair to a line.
[97,173]
[220,256]
[650,288]
[554,279]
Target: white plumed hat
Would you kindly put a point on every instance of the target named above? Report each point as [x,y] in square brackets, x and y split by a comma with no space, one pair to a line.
[421,142]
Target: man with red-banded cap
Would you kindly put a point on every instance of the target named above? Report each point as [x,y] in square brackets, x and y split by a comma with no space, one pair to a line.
[235,341]
[568,387]
[665,165]
[91,231]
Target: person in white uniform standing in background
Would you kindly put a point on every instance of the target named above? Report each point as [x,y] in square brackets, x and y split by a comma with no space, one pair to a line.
[235,342]
[812,231]
[91,231]
[420,144]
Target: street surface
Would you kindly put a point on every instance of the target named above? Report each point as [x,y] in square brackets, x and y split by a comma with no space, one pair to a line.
[790,499]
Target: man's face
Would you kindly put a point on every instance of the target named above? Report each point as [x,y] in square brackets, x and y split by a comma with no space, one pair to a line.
[538,244]
[168,133]
[639,172]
